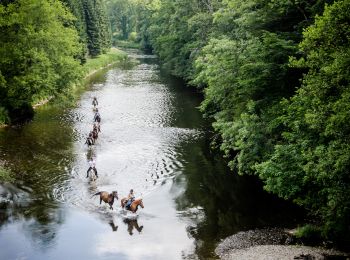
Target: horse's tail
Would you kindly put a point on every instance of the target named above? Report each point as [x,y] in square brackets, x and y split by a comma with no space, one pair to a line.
[98,193]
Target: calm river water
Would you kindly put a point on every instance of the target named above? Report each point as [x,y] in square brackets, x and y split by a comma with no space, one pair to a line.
[154,140]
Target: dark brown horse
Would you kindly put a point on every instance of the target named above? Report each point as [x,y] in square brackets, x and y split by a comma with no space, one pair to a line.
[95,134]
[107,197]
[134,205]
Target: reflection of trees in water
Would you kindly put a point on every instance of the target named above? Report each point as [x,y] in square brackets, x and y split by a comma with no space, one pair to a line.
[39,220]
[132,224]
[40,154]
[230,202]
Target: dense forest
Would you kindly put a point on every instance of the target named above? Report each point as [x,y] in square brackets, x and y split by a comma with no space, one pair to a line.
[275,78]
[274,74]
[42,46]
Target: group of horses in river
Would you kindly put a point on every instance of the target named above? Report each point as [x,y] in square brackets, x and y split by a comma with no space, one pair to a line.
[104,195]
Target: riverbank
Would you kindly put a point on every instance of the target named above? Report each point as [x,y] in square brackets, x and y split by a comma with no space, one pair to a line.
[271,244]
[91,67]
[103,61]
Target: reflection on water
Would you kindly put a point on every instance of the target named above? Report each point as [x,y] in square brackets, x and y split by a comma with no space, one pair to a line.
[153,140]
[133,225]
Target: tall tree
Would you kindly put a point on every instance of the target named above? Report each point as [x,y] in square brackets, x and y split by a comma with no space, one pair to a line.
[37,50]
[311,165]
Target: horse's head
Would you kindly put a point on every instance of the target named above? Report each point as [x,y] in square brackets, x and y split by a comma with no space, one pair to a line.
[115,194]
[141,203]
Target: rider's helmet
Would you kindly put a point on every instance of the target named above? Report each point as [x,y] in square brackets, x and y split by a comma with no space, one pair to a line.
[131,191]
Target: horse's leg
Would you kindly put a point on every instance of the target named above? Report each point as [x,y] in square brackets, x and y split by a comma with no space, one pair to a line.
[100,200]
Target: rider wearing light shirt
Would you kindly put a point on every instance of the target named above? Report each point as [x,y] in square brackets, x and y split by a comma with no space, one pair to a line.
[92,164]
[131,198]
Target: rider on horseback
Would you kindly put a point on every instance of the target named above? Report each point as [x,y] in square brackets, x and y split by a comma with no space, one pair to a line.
[97,127]
[131,198]
[97,117]
[92,164]
[94,102]
[89,139]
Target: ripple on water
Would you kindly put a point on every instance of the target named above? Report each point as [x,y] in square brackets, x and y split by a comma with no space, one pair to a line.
[137,146]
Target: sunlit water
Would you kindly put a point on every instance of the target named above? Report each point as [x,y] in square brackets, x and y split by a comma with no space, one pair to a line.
[153,140]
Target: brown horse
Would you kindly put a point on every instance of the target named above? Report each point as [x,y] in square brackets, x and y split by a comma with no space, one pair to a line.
[107,197]
[95,134]
[134,205]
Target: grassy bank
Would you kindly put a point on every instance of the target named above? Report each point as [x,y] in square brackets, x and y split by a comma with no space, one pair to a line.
[127,44]
[103,61]
[91,66]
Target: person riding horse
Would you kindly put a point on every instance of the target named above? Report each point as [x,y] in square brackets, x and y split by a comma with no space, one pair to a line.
[97,127]
[95,134]
[92,164]
[95,102]
[131,198]
[90,140]
[97,117]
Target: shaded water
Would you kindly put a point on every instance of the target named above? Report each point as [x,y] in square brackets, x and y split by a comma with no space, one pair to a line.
[154,140]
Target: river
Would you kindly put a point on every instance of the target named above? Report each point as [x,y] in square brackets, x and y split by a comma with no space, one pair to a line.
[154,140]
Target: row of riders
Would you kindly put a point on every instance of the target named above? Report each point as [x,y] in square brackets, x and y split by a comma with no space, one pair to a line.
[129,203]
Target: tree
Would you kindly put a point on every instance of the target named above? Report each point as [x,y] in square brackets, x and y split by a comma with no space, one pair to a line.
[311,165]
[38,46]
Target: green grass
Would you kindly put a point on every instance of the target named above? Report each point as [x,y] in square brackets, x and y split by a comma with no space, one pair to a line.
[127,44]
[5,175]
[103,60]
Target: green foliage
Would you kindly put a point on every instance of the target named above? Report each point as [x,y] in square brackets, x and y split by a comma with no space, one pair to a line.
[309,232]
[5,175]
[311,165]
[92,25]
[121,15]
[37,52]
[97,27]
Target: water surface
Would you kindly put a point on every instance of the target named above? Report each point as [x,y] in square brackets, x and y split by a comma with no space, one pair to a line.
[154,140]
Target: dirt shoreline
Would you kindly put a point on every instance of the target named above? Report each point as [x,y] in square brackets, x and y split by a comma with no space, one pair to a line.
[271,244]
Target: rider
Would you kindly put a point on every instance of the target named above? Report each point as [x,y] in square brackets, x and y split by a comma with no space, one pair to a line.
[97,127]
[97,117]
[92,164]
[95,102]
[89,139]
[131,198]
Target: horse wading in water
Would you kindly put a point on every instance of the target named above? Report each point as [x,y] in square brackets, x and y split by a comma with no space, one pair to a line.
[95,134]
[90,140]
[107,197]
[134,205]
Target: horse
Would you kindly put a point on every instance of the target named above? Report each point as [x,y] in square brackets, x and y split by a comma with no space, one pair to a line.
[89,140]
[94,134]
[134,205]
[93,176]
[107,197]
[97,127]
